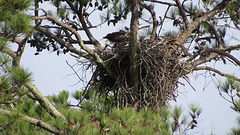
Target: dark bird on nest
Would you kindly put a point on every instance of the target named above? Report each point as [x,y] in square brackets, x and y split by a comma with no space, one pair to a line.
[116,37]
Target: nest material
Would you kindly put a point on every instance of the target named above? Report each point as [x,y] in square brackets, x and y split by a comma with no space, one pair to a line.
[159,70]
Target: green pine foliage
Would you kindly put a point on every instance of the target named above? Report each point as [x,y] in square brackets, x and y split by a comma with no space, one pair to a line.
[20,76]
[87,121]
[13,14]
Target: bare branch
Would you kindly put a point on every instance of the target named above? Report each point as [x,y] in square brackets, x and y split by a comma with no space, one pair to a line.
[216,52]
[84,25]
[215,71]
[219,40]
[165,15]
[180,7]
[162,2]
[222,53]
[155,21]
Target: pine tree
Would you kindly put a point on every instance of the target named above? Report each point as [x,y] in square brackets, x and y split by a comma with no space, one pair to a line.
[132,81]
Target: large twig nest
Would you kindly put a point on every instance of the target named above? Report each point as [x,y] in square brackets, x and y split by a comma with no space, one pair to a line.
[159,70]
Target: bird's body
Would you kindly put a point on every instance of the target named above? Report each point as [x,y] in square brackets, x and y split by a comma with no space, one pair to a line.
[116,36]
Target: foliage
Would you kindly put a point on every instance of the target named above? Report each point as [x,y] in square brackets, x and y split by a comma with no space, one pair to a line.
[87,121]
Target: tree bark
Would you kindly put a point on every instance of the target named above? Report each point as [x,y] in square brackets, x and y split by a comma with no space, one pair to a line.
[133,52]
[184,35]
[44,101]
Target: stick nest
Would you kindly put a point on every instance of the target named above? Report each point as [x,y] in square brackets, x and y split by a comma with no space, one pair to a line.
[159,68]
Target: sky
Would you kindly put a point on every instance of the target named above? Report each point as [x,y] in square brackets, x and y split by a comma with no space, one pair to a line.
[51,74]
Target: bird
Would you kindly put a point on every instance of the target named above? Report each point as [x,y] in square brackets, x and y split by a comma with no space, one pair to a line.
[116,37]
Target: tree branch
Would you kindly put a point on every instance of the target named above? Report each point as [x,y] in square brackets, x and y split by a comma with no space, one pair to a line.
[180,7]
[96,57]
[182,38]
[84,25]
[216,52]
[219,40]
[65,44]
[215,71]
[16,56]
[162,2]
[44,101]
[155,21]
[34,121]
[165,15]
[222,53]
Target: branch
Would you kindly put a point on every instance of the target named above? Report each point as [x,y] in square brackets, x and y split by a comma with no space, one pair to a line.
[180,7]
[162,21]
[84,25]
[63,43]
[10,52]
[44,101]
[219,40]
[223,53]
[33,121]
[215,53]
[155,21]
[161,2]
[182,38]
[16,56]
[82,45]
[216,71]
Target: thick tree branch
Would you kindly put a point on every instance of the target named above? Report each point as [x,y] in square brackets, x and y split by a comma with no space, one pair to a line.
[182,38]
[33,121]
[215,71]
[16,56]
[10,52]
[44,101]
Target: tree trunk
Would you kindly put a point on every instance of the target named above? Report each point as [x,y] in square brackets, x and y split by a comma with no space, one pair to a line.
[133,54]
